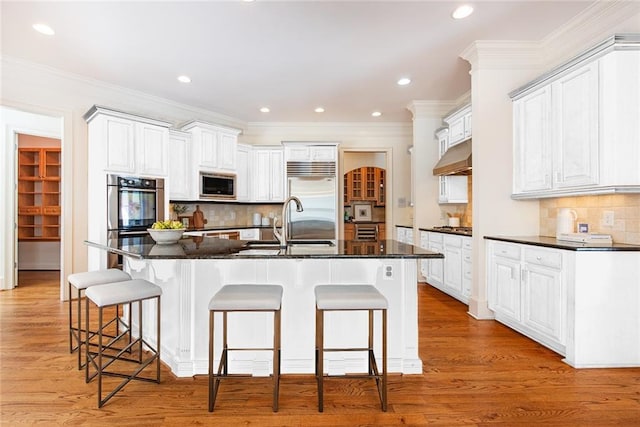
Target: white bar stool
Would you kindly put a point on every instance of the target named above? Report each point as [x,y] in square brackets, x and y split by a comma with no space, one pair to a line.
[350,298]
[243,298]
[127,292]
[82,281]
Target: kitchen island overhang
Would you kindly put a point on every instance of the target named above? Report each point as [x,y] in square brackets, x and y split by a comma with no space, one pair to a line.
[192,271]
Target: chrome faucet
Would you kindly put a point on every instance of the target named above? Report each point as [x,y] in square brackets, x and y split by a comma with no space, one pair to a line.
[282,235]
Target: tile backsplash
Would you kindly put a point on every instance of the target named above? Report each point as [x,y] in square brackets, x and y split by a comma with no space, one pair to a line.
[226,215]
[591,209]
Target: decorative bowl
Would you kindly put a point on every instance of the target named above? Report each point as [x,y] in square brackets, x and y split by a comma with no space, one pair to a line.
[166,236]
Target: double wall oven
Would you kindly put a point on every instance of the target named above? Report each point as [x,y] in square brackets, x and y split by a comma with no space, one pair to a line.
[133,205]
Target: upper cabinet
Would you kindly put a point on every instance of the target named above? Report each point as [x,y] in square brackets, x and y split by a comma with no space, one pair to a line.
[267,174]
[126,143]
[576,128]
[310,153]
[214,146]
[180,183]
[365,184]
[243,160]
[459,125]
[451,189]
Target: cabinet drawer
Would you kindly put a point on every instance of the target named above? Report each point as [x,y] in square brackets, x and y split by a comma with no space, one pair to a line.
[435,237]
[467,243]
[453,241]
[29,210]
[51,210]
[507,251]
[551,259]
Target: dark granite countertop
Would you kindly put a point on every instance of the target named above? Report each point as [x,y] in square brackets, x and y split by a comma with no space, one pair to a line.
[552,242]
[213,248]
[448,231]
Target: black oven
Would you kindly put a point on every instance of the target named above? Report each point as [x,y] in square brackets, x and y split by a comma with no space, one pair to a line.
[133,205]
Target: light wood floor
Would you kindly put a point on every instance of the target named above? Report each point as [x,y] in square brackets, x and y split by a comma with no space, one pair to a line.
[475,373]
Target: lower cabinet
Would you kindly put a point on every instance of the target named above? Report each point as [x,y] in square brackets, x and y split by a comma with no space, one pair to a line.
[528,291]
[452,274]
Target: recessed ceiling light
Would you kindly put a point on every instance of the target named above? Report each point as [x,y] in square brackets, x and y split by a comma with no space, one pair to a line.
[44,29]
[319,110]
[184,79]
[404,81]
[376,114]
[264,109]
[462,11]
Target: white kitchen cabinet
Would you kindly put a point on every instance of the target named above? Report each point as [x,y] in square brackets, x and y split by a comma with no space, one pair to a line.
[451,189]
[572,128]
[310,153]
[243,157]
[180,186]
[404,234]
[452,274]
[528,291]
[214,147]
[128,144]
[459,125]
[467,263]
[268,175]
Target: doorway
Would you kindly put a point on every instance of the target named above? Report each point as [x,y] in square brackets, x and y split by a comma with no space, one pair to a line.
[38,195]
[371,206]
[48,125]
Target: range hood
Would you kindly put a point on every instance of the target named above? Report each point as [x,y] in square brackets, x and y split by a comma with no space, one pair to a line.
[455,161]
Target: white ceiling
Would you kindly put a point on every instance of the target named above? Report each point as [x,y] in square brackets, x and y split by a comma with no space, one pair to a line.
[291,56]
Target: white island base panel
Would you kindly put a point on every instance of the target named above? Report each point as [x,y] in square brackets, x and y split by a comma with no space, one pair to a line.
[188,285]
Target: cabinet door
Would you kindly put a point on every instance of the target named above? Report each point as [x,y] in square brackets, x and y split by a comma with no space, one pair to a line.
[180,168]
[532,142]
[543,303]
[575,98]
[277,175]
[456,131]
[151,149]
[120,135]
[349,231]
[453,189]
[504,287]
[357,182]
[467,126]
[435,269]
[262,173]
[242,177]
[370,189]
[381,186]
[453,263]
[323,154]
[466,272]
[227,151]
[208,148]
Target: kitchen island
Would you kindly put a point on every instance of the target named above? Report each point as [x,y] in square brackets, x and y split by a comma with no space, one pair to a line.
[193,270]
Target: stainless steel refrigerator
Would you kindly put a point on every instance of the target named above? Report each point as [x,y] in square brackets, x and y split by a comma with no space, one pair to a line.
[319,198]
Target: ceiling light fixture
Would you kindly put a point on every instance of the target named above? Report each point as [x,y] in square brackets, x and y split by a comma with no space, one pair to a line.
[44,29]
[265,110]
[319,110]
[404,81]
[184,79]
[462,11]
[376,114]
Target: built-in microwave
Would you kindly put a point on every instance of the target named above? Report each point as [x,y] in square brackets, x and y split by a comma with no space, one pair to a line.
[217,186]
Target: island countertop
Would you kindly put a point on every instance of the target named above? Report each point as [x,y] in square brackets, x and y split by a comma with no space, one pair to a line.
[213,248]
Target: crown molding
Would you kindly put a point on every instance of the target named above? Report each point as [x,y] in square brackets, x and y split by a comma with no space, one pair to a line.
[597,22]
[430,108]
[502,54]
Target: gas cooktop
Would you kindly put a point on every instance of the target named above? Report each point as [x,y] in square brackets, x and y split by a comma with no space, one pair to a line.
[457,230]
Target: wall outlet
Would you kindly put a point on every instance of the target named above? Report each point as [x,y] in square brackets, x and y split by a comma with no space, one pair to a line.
[387,271]
[608,218]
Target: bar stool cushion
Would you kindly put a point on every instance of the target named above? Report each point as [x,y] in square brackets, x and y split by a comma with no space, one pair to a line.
[349,297]
[99,277]
[122,292]
[247,297]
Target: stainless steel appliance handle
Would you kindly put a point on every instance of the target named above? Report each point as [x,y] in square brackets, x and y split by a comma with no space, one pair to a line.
[137,190]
